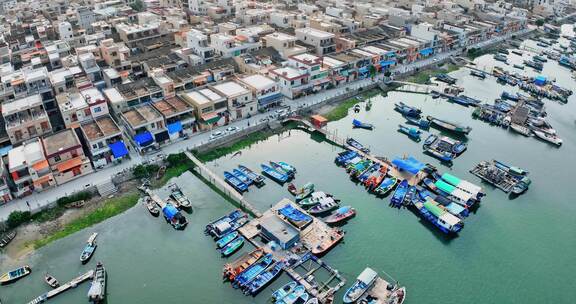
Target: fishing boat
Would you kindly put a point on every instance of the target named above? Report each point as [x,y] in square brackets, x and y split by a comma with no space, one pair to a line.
[344,157]
[252,271]
[464,100]
[306,190]
[413,133]
[326,204]
[518,66]
[449,126]
[363,282]
[410,195]
[151,206]
[223,241]
[521,186]
[547,137]
[283,291]
[420,123]
[97,291]
[15,275]
[314,199]
[297,296]
[7,238]
[399,194]
[517,52]
[51,281]
[161,172]
[173,216]
[226,224]
[445,78]
[340,215]
[231,270]
[478,74]
[328,243]
[355,144]
[510,96]
[264,279]
[386,186]
[232,247]
[89,248]
[355,170]
[274,175]
[179,196]
[287,167]
[500,57]
[235,182]
[376,178]
[242,177]
[255,177]
[283,169]
[363,176]
[361,125]
[406,110]
[523,130]
[445,221]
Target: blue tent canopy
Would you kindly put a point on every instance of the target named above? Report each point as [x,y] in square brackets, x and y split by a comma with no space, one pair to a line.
[174,127]
[410,164]
[540,80]
[384,63]
[169,211]
[143,139]
[426,51]
[118,149]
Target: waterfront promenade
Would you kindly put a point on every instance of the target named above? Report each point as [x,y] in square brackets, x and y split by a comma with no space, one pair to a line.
[41,200]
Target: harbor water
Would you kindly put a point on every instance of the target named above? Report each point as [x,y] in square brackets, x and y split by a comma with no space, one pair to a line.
[510,251]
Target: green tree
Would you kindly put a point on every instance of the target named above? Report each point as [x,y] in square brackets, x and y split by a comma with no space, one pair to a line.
[540,22]
[138,5]
[16,218]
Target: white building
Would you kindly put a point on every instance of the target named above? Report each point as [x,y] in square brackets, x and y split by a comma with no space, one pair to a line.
[283,43]
[241,102]
[65,30]
[322,41]
[230,46]
[198,43]
[265,90]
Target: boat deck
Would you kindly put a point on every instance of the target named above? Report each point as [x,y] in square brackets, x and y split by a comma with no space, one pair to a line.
[380,291]
[64,287]
[488,172]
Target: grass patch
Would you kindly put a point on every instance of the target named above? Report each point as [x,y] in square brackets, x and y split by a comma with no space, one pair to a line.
[171,172]
[110,208]
[423,77]
[341,110]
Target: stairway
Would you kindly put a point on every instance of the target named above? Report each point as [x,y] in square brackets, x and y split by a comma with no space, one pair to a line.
[106,188]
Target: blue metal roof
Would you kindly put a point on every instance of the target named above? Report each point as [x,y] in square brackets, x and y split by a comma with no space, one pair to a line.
[426,51]
[118,149]
[174,127]
[143,139]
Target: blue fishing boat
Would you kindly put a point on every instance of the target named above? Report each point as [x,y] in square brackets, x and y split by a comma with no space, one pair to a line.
[406,110]
[445,78]
[265,278]
[358,124]
[445,221]
[363,282]
[413,133]
[287,167]
[449,205]
[297,296]
[226,224]
[357,145]
[235,182]
[410,195]
[364,175]
[345,156]
[398,197]
[420,123]
[223,241]
[459,147]
[89,248]
[255,177]
[282,169]
[443,156]
[242,177]
[232,247]
[386,186]
[283,291]
[253,271]
[273,174]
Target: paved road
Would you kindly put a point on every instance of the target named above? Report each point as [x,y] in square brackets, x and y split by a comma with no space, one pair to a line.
[39,200]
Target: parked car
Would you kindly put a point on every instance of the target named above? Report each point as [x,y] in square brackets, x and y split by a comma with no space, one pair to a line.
[232,129]
[216,135]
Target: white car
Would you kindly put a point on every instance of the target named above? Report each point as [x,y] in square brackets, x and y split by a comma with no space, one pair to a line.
[216,135]
[232,129]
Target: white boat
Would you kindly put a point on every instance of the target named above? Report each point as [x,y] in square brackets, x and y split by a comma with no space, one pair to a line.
[97,291]
[520,129]
[553,139]
[364,281]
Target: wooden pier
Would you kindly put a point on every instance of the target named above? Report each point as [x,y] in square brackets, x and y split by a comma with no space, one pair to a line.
[72,284]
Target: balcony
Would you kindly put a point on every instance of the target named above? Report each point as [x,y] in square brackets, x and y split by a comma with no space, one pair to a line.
[24,117]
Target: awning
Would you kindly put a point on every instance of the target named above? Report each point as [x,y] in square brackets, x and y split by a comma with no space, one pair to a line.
[40,165]
[339,78]
[174,127]
[385,63]
[44,179]
[161,136]
[451,179]
[426,51]
[442,185]
[269,99]
[363,69]
[144,139]
[210,118]
[69,164]
[118,149]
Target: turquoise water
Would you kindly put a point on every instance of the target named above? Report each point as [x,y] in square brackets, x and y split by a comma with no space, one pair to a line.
[510,251]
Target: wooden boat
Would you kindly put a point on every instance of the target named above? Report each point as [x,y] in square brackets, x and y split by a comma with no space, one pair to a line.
[361,125]
[478,74]
[7,238]
[242,177]
[327,244]
[223,241]
[386,186]
[253,271]
[413,133]
[290,171]
[232,247]
[257,178]
[550,138]
[283,291]
[76,204]
[231,270]
[314,199]
[406,110]
[376,178]
[277,176]
[326,205]
[89,248]
[420,123]
[340,215]
[363,176]
[51,281]
[297,296]
[15,275]
[363,282]
[445,78]
[179,196]
[161,172]
[97,291]
[357,145]
[264,279]
[306,191]
[398,197]
[225,224]
[235,182]
[449,126]
[523,130]
[439,217]
[151,206]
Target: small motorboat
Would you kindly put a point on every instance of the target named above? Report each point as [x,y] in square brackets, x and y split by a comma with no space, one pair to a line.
[275,175]
[314,199]
[7,238]
[232,247]
[399,194]
[306,190]
[357,145]
[523,130]
[521,186]
[16,274]
[179,197]
[283,291]
[407,110]
[89,248]
[151,206]
[223,241]
[255,177]
[236,183]
[361,125]
[340,215]
[297,296]
[387,184]
[413,133]
[97,291]
[547,137]
[292,189]
[326,205]
[364,281]
[242,177]
[51,281]
[264,279]
[420,123]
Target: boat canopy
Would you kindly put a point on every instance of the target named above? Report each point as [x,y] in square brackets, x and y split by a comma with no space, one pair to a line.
[343,210]
[433,208]
[442,185]
[455,208]
[462,184]
[294,214]
[170,211]
[367,275]
[409,164]
[450,219]
[451,179]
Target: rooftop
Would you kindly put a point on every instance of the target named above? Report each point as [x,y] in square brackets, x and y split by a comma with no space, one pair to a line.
[230,89]
[101,127]
[172,106]
[57,142]
[71,101]
[21,104]
[140,115]
[27,153]
[258,82]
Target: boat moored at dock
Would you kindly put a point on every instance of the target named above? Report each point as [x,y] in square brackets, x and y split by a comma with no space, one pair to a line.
[255,177]
[235,182]
[89,248]
[15,275]
[361,125]
[226,224]
[97,292]
[363,282]
[277,176]
[449,126]
[231,270]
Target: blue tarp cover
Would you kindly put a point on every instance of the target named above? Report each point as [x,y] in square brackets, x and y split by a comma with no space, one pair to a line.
[174,127]
[384,63]
[426,51]
[540,80]
[410,164]
[169,211]
[294,214]
[143,139]
[363,69]
[118,149]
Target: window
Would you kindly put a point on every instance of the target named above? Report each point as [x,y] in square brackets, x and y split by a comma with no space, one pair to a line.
[97,109]
[57,158]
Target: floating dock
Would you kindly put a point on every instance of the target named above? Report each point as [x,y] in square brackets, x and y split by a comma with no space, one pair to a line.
[384,292]
[495,176]
[72,284]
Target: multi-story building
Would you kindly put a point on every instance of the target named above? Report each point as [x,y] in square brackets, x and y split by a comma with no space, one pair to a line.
[104,141]
[264,90]
[209,107]
[198,43]
[65,156]
[322,41]
[145,126]
[5,194]
[241,103]
[73,109]
[115,54]
[283,43]
[25,119]
[230,46]
[29,169]
[178,115]
[131,94]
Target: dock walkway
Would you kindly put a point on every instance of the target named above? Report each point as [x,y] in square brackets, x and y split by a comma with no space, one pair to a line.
[72,284]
